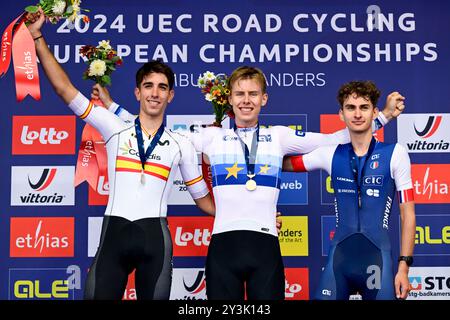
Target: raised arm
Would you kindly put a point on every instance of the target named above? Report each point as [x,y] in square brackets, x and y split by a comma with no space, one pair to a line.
[294,142]
[55,73]
[99,118]
[102,94]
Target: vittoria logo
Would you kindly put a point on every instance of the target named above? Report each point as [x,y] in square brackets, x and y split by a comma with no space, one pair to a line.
[424,132]
[430,128]
[198,285]
[44,181]
[42,186]
[188,284]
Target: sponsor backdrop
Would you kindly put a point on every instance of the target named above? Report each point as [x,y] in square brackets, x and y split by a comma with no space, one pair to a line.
[50,230]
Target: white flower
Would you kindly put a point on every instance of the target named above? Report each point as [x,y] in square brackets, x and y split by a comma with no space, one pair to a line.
[209,75]
[209,97]
[104,44]
[59,7]
[201,82]
[97,68]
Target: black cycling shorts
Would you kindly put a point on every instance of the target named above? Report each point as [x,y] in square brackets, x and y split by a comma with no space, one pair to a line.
[143,245]
[243,263]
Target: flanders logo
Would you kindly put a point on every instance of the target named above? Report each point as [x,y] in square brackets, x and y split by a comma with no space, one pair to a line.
[294,236]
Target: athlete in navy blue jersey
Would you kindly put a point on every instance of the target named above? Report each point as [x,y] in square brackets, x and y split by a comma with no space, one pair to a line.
[365,176]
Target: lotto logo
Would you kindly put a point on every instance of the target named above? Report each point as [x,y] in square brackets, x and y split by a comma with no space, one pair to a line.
[190,235]
[43,135]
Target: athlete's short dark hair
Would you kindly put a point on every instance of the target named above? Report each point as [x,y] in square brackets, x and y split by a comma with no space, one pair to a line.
[155,66]
[366,89]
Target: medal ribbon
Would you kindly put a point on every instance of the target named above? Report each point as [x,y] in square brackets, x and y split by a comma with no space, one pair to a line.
[144,155]
[249,155]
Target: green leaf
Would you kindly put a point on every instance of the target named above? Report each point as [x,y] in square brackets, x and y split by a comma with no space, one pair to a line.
[106,79]
[111,68]
[31,9]
[85,76]
[69,10]
[115,59]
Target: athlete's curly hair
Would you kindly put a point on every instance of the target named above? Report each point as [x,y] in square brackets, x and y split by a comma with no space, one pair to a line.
[366,89]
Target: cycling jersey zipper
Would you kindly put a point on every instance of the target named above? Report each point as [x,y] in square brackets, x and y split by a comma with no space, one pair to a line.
[359,210]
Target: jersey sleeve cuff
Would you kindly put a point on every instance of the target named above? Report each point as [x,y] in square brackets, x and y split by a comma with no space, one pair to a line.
[380,121]
[405,195]
[297,164]
[80,105]
[197,187]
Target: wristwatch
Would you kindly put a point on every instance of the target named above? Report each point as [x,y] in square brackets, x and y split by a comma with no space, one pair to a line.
[408,259]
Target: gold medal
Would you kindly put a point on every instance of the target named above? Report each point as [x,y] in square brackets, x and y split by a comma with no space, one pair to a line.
[250,185]
[142,177]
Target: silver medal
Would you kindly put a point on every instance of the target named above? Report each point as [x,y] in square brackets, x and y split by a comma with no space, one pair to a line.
[142,177]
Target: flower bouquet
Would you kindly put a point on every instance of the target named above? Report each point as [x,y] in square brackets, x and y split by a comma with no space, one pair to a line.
[215,88]
[102,61]
[91,164]
[56,10]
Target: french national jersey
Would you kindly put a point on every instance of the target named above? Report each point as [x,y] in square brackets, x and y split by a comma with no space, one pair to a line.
[128,197]
[388,169]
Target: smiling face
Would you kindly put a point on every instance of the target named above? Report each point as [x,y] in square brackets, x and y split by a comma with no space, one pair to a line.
[358,113]
[247,98]
[154,94]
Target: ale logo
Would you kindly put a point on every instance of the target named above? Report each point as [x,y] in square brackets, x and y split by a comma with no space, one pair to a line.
[44,283]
